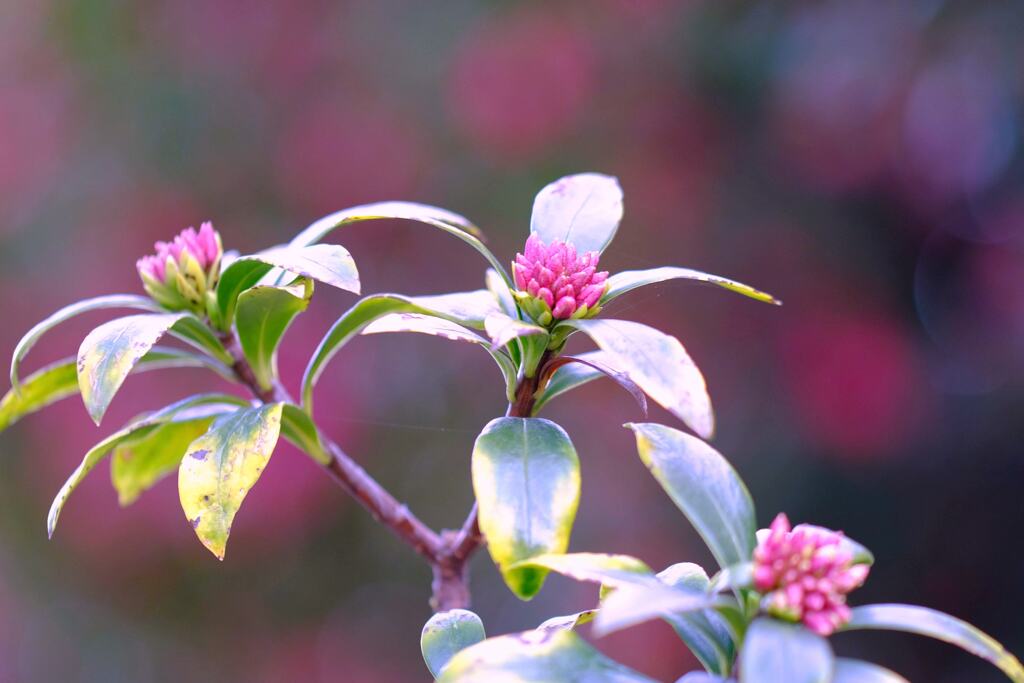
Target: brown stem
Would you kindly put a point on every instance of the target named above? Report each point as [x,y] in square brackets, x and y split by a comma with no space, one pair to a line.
[346,472]
[449,552]
[451,576]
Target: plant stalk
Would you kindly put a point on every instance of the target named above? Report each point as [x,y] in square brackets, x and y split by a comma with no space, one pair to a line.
[447,552]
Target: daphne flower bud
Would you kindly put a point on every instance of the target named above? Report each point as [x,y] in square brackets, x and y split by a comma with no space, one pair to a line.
[183,273]
[553,282]
[805,574]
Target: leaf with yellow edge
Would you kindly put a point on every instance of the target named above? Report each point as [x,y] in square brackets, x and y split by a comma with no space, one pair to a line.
[221,466]
[628,280]
[526,477]
[196,407]
[941,626]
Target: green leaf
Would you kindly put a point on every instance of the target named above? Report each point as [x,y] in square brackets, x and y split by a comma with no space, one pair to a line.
[702,631]
[79,307]
[449,222]
[327,263]
[502,329]
[657,363]
[263,315]
[526,477]
[194,331]
[570,376]
[450,307]
[502,293]
[109,353]
[704,486]
[775,652]
[41,389]
[466,308]
[855,671]
[422,323]
[197,407]
[934,624]
[221,466]
[298,427]
[381,211]
[550,656]
[141,460]
[446,634]
[628,280]
[569,621]
[737,577]
[610,570]
[439,327]
[60,380]
[632,604]
[596,361]
[583,210]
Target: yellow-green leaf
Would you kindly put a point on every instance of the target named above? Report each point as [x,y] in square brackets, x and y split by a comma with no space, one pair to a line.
[602,568]
[526,477]
[109,353]
[221,466]
[569,621]
[60,380]
[298,427]
[78,308]
[192,408]
[142,460]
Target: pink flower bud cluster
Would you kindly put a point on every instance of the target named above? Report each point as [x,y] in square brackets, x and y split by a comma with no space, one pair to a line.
[806,573]
[561,283]
[204,246]
[183,273]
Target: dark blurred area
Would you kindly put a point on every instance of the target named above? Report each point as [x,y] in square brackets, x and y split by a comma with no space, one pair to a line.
[861,160]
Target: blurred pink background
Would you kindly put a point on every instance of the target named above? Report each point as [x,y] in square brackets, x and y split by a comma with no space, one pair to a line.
[861,160]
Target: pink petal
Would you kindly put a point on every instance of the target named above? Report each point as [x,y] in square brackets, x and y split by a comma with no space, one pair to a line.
[565,308]
[545,294]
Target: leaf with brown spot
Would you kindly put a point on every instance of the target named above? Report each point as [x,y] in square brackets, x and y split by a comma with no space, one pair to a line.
[221,466]
[197,407]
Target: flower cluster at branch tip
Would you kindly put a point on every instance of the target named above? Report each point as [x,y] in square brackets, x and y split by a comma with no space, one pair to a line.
[555,283]
[183,273]
[806,573]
